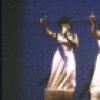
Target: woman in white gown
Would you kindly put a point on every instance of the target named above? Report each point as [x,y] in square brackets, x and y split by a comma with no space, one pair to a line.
[63,69]
[95,83]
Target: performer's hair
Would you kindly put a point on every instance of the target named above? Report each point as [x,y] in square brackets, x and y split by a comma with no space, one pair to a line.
[65,20]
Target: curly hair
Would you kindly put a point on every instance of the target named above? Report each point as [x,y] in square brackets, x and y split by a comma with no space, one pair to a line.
[65,20]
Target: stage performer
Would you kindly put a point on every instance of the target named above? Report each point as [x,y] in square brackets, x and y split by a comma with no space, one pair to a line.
[63,69]
[95,82]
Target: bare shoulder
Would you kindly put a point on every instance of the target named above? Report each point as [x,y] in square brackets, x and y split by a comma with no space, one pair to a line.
[98,32]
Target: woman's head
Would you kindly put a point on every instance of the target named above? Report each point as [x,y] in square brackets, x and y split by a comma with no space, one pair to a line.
[65,21]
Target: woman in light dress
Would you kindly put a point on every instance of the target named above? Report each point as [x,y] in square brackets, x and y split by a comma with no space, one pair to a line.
[95,83]
[63,68]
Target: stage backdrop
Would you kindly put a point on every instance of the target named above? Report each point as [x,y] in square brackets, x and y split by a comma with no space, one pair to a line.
[28,51]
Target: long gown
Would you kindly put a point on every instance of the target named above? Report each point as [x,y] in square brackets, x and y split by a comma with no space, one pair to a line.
[63,62]
[95,84]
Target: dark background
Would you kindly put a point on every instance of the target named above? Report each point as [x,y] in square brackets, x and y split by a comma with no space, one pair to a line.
[27,51]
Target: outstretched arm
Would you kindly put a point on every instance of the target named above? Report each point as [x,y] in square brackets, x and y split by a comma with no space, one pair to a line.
[50,33]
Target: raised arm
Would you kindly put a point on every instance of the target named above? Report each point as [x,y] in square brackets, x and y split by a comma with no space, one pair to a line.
[50,33]
[94,31]
[92,19]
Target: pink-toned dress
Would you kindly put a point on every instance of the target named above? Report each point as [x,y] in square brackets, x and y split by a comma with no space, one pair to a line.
[64,58]
[95,84]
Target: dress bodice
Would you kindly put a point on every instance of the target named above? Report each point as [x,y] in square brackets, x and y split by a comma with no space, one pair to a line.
[61,39]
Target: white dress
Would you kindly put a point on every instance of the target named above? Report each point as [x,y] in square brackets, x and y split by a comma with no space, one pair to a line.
[95,84]
[64,59]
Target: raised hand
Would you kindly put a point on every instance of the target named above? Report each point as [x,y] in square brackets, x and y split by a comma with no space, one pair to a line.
[92,17]
[43,20]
